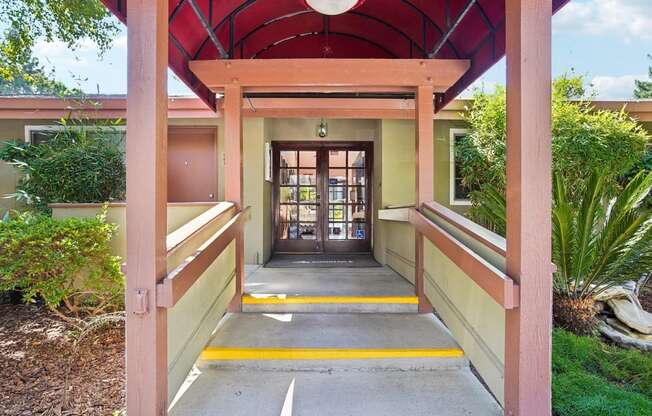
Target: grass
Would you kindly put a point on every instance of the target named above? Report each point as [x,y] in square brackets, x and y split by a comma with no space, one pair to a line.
[592,378]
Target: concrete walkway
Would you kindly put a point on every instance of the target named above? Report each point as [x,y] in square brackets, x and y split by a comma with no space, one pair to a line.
[332,364]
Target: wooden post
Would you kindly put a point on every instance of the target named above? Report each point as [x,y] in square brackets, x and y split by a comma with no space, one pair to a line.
[424,179]
[146,328]
[528,327]
[234,178]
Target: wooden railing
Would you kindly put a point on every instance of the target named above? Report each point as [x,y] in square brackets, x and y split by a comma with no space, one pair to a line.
[181,277]
[491,279]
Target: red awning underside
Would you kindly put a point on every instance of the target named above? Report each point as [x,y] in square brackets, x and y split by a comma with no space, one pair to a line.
[268,29]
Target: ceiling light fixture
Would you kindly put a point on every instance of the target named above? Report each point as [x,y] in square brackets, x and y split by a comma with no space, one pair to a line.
[333,7]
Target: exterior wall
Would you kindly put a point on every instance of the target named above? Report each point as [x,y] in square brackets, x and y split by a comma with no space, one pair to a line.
[178,214]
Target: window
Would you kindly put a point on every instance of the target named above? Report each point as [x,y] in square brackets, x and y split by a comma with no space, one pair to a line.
[459,193]
[41,134]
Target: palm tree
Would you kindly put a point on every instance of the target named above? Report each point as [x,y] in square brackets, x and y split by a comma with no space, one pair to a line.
[597,244]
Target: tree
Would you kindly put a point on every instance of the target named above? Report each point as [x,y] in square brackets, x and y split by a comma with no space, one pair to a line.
[644,88]
[30,21]
[583,140]
[34,80]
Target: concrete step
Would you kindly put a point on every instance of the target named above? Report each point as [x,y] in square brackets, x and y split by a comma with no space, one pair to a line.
[265,393]
[330,342]
[329,304]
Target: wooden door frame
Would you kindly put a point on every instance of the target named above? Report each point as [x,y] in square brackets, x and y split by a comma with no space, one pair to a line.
[326,246]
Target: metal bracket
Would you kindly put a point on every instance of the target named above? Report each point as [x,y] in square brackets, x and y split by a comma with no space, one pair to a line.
[140,301]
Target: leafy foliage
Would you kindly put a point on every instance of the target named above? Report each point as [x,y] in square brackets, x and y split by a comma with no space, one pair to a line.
[30,21]
[79,163]
[64,262]
[583,139]
[32,79]
[591,378]
[643,89]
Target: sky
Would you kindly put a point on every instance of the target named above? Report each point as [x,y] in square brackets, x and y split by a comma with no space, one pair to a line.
[607,41]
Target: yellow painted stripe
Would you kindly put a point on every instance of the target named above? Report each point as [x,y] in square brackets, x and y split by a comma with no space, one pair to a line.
[273,299]
[236,353]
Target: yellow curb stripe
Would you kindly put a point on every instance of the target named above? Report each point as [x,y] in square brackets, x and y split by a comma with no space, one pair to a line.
[271,300]
[236,353]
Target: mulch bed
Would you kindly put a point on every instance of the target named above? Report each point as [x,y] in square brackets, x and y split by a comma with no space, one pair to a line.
[42,374]
[646,297]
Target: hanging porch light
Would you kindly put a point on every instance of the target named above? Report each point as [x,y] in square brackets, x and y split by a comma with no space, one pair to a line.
[333,7]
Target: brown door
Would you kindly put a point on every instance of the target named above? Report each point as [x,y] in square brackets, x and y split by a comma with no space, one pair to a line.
[322,197]
[192,164]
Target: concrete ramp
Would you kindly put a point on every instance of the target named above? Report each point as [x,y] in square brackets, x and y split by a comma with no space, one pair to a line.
[333,364]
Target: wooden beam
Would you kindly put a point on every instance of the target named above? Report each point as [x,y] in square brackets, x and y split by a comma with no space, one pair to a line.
[179,280]
[424,179]
[146,328]
[439,74]
[233,183]
[494,282]
[528,327]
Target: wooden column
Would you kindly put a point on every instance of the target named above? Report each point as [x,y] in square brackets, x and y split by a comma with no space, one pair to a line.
[424,179]
[146,328]
[528,327]
[233,182]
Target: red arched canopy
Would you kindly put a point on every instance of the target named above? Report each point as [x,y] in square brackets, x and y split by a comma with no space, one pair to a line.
[268,29]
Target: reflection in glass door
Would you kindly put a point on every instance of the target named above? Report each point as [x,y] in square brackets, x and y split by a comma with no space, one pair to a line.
[306,222]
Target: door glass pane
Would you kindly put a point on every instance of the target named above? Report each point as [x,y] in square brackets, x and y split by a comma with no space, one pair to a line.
[307,231]
[356,159]
[288,159]
[337,158]
[337,176]
[308,213]
[307,158]
[357,231]
[288,194]
[287,231]
[308,176]
[357,194]
[356,176]
[288,213]
[336,213]
[288,176]
[337,194]
[337,231]
[357,213]
[307,194]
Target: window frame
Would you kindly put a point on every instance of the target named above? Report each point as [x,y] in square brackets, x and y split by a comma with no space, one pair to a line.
[453,200]
[30,128]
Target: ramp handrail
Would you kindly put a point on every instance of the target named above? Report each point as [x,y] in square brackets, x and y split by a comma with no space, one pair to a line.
[492,280]
[182,277]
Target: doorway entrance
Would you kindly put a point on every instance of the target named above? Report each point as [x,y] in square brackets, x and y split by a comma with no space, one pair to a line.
[322,197]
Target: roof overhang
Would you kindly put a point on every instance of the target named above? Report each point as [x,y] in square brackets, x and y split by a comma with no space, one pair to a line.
[472,30]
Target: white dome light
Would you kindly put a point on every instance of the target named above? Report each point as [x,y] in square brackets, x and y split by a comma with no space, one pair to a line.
[333,7]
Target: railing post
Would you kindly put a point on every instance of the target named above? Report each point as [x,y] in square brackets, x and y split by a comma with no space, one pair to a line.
[528,327]
[146,328]
[234,178]
[424,179]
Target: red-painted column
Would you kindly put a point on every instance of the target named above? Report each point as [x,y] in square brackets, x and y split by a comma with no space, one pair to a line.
[146,206]
[424,179]
[234,177]
[528,327]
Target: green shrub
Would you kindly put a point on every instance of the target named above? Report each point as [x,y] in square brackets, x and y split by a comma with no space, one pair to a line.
[592,378]
[64,262]
[79,163]
[583,140]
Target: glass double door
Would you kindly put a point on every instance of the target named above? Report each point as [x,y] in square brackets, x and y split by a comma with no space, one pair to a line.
[322,197]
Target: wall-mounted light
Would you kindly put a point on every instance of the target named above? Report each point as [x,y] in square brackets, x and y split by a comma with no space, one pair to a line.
[322,129]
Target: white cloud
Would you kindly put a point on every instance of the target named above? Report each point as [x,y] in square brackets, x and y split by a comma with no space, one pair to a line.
[615,87]
[628,19]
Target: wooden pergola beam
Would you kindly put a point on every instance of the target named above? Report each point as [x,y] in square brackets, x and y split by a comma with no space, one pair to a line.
[147,107]
[439,74]
[529,187]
